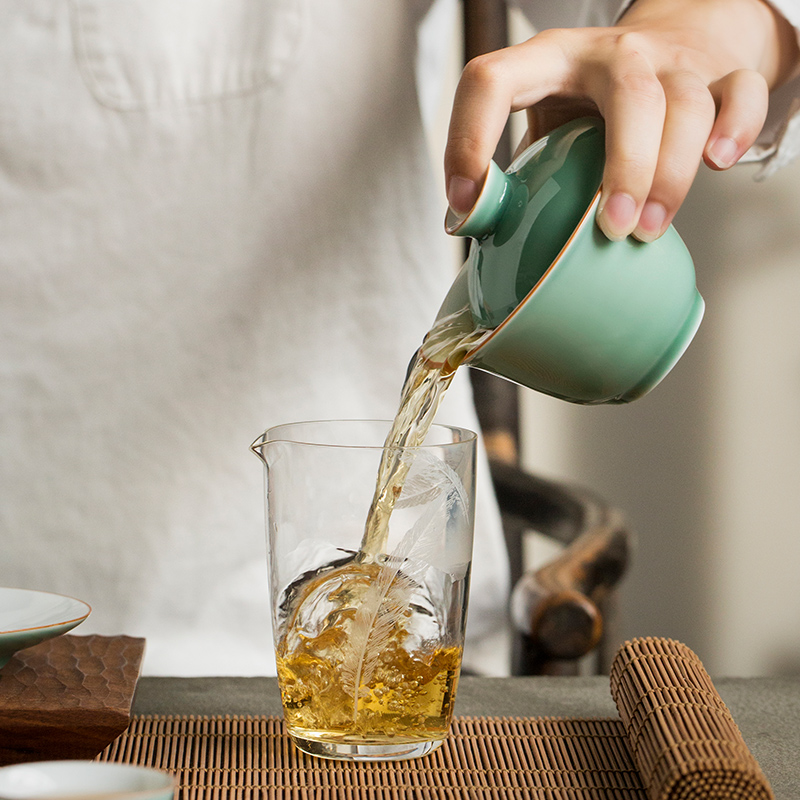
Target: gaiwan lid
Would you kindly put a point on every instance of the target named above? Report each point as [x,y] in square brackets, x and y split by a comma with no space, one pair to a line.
[525,216]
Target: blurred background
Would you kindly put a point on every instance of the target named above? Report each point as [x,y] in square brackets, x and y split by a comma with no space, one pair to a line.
[707,467]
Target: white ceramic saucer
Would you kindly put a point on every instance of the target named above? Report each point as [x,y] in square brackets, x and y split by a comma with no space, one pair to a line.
[28,617]
[88,780]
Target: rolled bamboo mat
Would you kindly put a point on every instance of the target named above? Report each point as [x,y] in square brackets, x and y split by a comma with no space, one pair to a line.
[244,758]
[681,734]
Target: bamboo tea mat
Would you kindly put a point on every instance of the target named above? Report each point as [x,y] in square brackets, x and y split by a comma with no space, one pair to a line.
[239,758]
[675,740]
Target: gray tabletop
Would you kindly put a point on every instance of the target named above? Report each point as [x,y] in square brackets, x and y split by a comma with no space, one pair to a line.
[767,710]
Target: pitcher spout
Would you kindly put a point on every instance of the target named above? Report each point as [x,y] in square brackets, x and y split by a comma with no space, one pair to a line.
[257,447]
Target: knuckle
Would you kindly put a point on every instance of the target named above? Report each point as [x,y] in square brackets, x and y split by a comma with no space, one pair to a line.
[644,88]
[630,71]
[634,167]
[691,58]
[631,173]
[746,89]
[675,174]
[750,80]
[675,178]
[687,91]
[631,43]
[460,149]
[553,37]
[483,72]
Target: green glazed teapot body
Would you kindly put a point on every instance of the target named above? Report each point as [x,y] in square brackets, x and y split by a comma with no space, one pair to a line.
[572,314]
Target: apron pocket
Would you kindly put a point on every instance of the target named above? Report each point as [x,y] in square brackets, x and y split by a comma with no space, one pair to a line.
[144,54]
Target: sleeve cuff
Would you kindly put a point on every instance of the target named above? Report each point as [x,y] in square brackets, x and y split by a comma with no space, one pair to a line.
[779,140]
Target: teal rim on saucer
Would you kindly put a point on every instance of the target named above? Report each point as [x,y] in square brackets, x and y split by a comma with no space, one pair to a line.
[28,617]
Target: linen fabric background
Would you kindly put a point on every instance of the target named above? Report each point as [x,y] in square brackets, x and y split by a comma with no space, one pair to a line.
[215,217]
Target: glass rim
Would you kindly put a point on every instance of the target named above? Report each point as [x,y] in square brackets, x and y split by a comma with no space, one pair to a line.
[466,435]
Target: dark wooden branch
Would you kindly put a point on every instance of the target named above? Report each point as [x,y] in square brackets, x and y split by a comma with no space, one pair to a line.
[557,610]
[557,606]
[555,509]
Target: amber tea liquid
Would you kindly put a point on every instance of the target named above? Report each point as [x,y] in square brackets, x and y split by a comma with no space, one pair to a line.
[362,660]
[408,694]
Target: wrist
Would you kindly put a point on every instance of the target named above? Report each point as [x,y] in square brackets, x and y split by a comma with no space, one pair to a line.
[787,49]
[753,33]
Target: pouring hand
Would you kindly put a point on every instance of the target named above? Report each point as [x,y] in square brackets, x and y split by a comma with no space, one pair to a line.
[677,82]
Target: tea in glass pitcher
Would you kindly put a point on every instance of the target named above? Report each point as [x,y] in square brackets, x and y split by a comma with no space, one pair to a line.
[368,641]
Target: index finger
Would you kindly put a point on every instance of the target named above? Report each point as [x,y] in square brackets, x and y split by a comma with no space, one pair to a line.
[490,88]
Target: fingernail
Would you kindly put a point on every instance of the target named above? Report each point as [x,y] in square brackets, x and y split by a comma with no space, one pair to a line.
[724,152]
[461,194]
[651,222]
[616,216]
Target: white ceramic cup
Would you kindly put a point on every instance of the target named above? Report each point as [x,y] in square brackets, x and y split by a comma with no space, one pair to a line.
[88,780]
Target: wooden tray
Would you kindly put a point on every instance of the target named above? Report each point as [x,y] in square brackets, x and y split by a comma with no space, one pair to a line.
[68,697]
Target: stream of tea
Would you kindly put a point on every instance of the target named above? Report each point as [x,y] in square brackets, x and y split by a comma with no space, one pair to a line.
[340,680]
[443,350]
